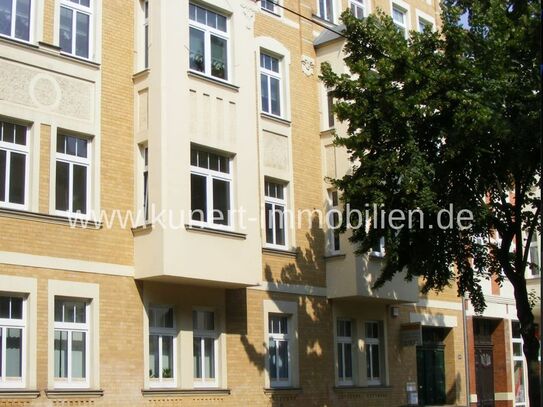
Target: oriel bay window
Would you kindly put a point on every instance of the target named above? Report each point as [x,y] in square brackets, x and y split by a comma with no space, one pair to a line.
[270,84]
[208,42]
[344,352]
[15,19]
[12,341]
[211,188]
[161,346]
[72,186]
[204,348]
[279,350]
[75,27]
[275,203]
[14,153]
[71,342]
[373,351]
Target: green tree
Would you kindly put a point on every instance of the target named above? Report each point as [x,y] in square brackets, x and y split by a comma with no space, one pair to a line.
[448,117]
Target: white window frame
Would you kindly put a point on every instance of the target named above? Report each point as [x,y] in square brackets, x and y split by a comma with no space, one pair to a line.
[423,17]
[72,327]
[18,149]
[71,160]
[145,179]
[333,234]
[345,340]
[323,13]
[210,175]
[208,31]
[281,337]
[276,9]
[381,252]
[207,334]
[6,323]
[359,5]
[518,358]
[161,332]
[31,18]
[373,381]
[78,8]
[276,203]
[404,9]
[145,42]
[276,75]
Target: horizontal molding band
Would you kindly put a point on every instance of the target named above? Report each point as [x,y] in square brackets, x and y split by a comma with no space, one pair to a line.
[19,394]
[450,305]
[184,392]
[73,393]
[290,289]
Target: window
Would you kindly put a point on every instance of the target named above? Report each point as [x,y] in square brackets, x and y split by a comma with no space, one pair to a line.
[534,258]
[269,5]
[12,341]
[145,6]
[270,84]
[13,165]
[334,221]
[275,213]
[75,27]
[211,183]
[399,16]
[15,19]
[279,350]
[161,346]
[146,183]
[425,24]
[71,356]
[330,109]
[358,8]
[326,10]
[378,250]
[208,42]
[204,348]
[519,373]
[72,186]
[373,356]
[345,352]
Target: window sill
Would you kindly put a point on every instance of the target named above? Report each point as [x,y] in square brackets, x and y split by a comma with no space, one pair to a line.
[336,256]
[196,75]
[73,393]
[362,389]
[81,60]
[220,232]
[283,392]
[280,252]
[275,119]
[270,13]
[19,394]
[142,229]
[328,132]
[321,20]
[184,392]
[53,219]
[141,74]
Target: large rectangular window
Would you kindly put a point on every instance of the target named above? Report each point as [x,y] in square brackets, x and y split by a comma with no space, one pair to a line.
[519,366]
[279,350]
[208,42]
[204,348]
[12,341]
[145,6]
[425,24]
[270,5]
[15,19]
[399,16]
[270,84]
[326,10]
[14,153]
[72,186]
[373,353]
[71,342]
[211,184]
[334,221]
[75,27]
[344,352]
[358,9]
[161,346]
[275,213]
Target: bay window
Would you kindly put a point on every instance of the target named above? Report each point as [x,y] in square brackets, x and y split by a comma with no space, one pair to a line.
[12,341]
[275,204]
[161,346]
[75,27]
[344,352]
[279,350]
[15,19]
[14,153]
[204,348]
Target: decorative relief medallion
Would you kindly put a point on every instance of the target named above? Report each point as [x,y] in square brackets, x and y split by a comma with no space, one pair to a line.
[308,65]
[45,91]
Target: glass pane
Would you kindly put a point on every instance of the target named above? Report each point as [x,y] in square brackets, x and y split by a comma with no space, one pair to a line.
[16,308]
[265,100]
[62,186]
[59,306]
[153,356]
[197,46]
[14,352]
[61,354]
[80,189]
[340,361]
[213,162]
[20,135]
[517,349]
[221,202]
[368,361]
[82,35]
[71,145]
[4,307]
[5,17]
[3,155]
[80,312]
[167,357]
[201,15]
[8,133]
[269,223]
[198,197]
[78,355]
[275,96]
[22,20]
[65,34]
[209,320]
[197,352]
[192,12]
[61,144]
[348,361]
[224,165]
[81,145]
[209,358]
[17,178]
[221,23]
[1,349]
[520,395]
[219,63]
[282,359]
[272,354]
[279,225]
[375,361]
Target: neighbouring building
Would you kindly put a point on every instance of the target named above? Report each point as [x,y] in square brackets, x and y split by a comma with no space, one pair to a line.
[182,114]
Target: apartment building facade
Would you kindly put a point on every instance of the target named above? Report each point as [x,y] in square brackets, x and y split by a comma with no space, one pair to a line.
[199,118]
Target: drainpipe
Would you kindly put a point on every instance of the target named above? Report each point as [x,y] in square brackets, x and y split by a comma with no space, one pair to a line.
[466,354]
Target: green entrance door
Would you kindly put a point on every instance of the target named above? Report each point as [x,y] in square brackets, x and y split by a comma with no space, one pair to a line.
[431,374]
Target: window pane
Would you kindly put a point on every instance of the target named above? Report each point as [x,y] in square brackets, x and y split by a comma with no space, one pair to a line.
[209,320]
[61,144]
[221,22]
[221,202]
[71,145]
[167,357]
[22,21]
[80,189]
[219,63]
[81,145]
[282,359]
[8,133]
[348,361]
[269,223]
[197,60]
[272,359]
[16,308]
[520,395]
[279,225]
[375,361]
[1,350]
[62,186]
[4,307]
[340,361]
[61,354]
[153,356]
[264,96]
[80,312]
[3,155]
[214,162]
[275,96]
[14,352]
[59,306]
[17,178]
[368,361]
[78,355]
[209,358]
[198,197]
[5,17]
[82,35]
[65,34]
[197,352]
[20,135]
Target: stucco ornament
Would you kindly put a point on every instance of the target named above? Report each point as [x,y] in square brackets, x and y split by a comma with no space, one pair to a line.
[308,65]
[249,11]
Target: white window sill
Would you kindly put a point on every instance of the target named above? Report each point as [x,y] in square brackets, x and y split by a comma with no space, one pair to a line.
[202,76]
[275,118]
[279,250]
[164,392]
[215,231]
[14,394]
[73,393]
